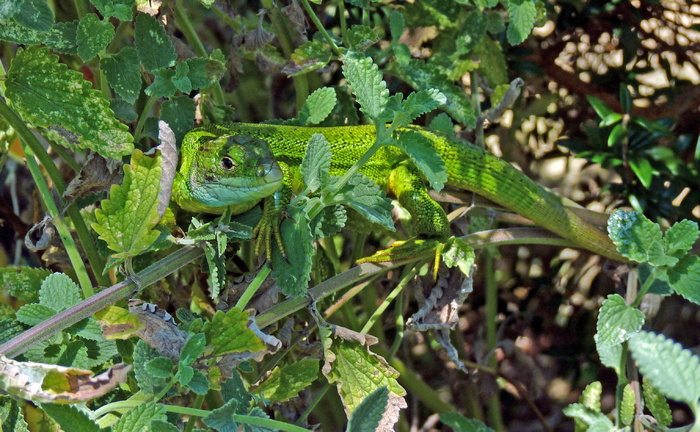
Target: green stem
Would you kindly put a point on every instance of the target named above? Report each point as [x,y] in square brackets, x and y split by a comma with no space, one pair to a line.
[109,296]
[30,141]
[142,118]
[645,288]
[57,220]
[253,287]
[476,105]
[343,22]
[320,28]
[192,422]
[494,403]
[392,295]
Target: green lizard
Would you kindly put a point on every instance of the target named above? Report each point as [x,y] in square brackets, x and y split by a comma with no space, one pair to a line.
[237,165]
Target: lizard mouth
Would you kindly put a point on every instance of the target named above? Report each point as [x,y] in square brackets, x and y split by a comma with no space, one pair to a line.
[235,190]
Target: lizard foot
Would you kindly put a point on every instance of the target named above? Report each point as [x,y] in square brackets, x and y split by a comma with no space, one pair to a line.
[412,248]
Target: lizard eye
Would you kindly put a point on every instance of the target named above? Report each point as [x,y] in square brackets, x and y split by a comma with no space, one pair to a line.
[227,163]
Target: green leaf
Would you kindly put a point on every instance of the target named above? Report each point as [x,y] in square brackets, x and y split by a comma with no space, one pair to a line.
[46,93]
[318,106]
[368,414]
[221,419]
[160,367]
[126,220]
[70,418]
[422,102]
[93,36]
[22,282]
[522,20]
[329,221]
[161,426]
[365,80]
[286,382]
[63,37]
[599,106]
[636,237]
[34,313]
[396,25]
[657,404]
[625,99]
[234,389]
[205,71]
[123,73]
[293,273]
[610,119]
[139,418]
[358,372]
[120,9]
[611,357]
[643,170]
[681,237]
[11,415]
[361,37]
[588,416]
[229,333]
[365,197]
[590,397]
[627,405]
[471,32]
[617,135]
[617,322]
[421,151]
[178,112]
[8,9]
[13,32]
[459,253]
[674,371]
[462,424]
[34,14]
[492,62]
[153,46]
[194,347]
[163,85]
[198,383]
[312,55]
[316,163]
[147,383]
[684,277]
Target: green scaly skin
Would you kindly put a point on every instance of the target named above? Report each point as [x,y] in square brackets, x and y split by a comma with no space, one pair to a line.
[205,183]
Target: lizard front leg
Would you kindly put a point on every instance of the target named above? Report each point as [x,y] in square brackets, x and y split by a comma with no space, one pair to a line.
[274,209]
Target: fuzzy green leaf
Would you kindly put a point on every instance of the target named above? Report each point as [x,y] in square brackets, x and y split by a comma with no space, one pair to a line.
[120,9]
[365,197]
[316,163]
[358,372]
[590,397]
[154,48]
[293,273]
[193,348]
[22,282]
[471,32]
[310,56]
[46,93]
[93,36]
[205,71]
[8,9]
[198,383]
[365,80]
[636,237]
[34,14]
[148,384]
[160,367]
[163,85]
[34,313]
[70,418]
[674,371]
[12,416]
[178,112]
[684,277]
[617,322]
[123,73]
[229,333]
[286,382]
[396,25]
[126,220]
[361,37]
[329,221]
[318,106]
[459,253]
[492,62]
[681,237]
[421,151]
[368,414]
[63,37]
[522,20]
[221,419]
[139,418]
[14,32]
[462,424]
[657,404]
[627,405]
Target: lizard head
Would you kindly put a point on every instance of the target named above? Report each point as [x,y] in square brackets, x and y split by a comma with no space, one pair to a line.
[233,169]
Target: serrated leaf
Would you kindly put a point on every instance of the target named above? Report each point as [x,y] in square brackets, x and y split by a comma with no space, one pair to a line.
[318,106]
[34,14]
[153,46]
[329,221]
[46,93]
[611,357]
[22,282]
[522,20]
[198,383]
[163,85]
[178,112]
[422,102]
[120,9]
[70,418]
[293,273]
[63,37]
[657,404]
[590,397]
[161,426]
[674,371]
[93,36]
[424,156]
[33,313]
[234,389]
[617,322]
[123,73]
[308,57]
[286,382]
[357,372]
[492,62]
[634,234]
[216,269]
[14,32]
[588,416]
[627,405]
[361,37]
[221,419]
[11,415]
[127,218]
[396,25]
[459,253]
[368,414]
[228,332]
[59,292]
[205,71]
[193,348]
[365,80]
[462,424]
[8,9]
[681,236]
[139,418]
[160,367]
[684,277]
[147,383]
[471,32]
[365,197]
[316,163]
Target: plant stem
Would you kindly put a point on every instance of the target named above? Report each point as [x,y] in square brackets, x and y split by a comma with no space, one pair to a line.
[142,118]
[392,295]
[253,287]
[109,296]
[320,28]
